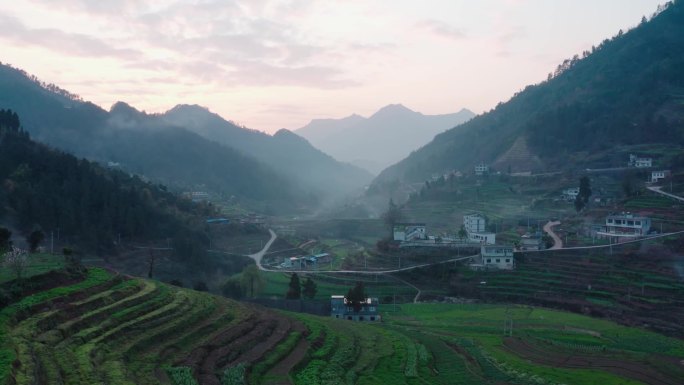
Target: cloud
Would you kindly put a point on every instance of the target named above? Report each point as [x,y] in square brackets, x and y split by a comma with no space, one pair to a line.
[441,29]
[60,41]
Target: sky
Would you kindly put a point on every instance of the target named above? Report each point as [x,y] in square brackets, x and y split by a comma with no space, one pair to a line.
[269,64]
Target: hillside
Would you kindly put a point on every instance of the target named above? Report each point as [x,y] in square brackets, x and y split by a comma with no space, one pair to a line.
[101,328]
[90,208]
[627,91]
[147,145]
[363,141]
[289,154]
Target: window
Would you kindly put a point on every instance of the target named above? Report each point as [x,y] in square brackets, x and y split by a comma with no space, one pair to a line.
[508,260]
[361,318]
[372,308]
[337,316]
[638,223]
[349,317]
[489,260]
[630,223]
[372,318]
[498,260]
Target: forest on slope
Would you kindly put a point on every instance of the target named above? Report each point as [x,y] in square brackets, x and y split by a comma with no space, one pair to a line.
[628,90]
[93,207]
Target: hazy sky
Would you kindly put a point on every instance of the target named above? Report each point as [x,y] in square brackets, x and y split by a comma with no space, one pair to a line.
[273,64]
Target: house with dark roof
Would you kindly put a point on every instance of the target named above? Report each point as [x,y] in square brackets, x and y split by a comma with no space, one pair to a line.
[342,309]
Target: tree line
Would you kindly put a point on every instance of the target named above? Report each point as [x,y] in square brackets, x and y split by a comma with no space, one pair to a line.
[92,207]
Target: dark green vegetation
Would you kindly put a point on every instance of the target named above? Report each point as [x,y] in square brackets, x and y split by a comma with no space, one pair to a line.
[106,212]
[180,149]
[93,207]
[101,328]
[627,91]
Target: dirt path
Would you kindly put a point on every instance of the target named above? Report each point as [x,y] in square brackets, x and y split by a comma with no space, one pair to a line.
[548,228]
[657,190]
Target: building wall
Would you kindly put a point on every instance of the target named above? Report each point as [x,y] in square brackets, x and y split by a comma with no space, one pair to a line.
[487,238]
[501,262]
[474,223]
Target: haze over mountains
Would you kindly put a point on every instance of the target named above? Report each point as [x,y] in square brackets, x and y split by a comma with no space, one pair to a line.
[380,140]
[186,148]
[591,112]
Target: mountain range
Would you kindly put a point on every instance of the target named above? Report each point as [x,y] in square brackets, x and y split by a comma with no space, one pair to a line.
[186,148]
[380,140]
[621,95]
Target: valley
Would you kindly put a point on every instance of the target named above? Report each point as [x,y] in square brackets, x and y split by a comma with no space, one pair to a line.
[539,241]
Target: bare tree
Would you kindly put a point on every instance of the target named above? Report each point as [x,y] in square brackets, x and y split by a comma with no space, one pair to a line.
[17,261]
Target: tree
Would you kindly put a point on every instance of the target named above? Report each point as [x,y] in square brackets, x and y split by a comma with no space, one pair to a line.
[356,296]
[392,216]
[17,261]
[462,233]
[309,288]
[584,193]
[251,280]
[232,288]
[294,290]
[5,240]
[34,239]
[200,286]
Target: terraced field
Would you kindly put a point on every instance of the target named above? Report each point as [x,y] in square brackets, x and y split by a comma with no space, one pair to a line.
[643,288]
[109,329]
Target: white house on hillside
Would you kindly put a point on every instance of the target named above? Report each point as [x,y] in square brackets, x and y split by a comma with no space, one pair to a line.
[635,161]
[498,257]
[474,223]
[626,225]
[570,194]
[657,176]
[409,231]
[475,226]
[481,169]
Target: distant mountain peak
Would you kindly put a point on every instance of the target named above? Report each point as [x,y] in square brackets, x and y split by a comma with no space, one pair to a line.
[123,108]
[393,109]
[189,108]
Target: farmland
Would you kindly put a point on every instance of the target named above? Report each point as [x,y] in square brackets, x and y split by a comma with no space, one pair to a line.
[105,328]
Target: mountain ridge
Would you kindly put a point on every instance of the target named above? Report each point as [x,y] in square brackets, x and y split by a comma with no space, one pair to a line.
[405,129]
[626,91]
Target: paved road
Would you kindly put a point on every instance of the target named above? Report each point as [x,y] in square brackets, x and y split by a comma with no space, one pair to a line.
[260,254]
[657,189]
[557,242]
[257,258]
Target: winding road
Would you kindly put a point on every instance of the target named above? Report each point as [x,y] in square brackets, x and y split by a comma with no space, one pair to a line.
[260,254]
[557,242]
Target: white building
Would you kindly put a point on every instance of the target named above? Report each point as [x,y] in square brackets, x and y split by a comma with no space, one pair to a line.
[531,242]
[409,231]
[476,228]
[626,225]
[498,257]
[570,194]
[635,161]
[474,223]
[657,176]
[481,169]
